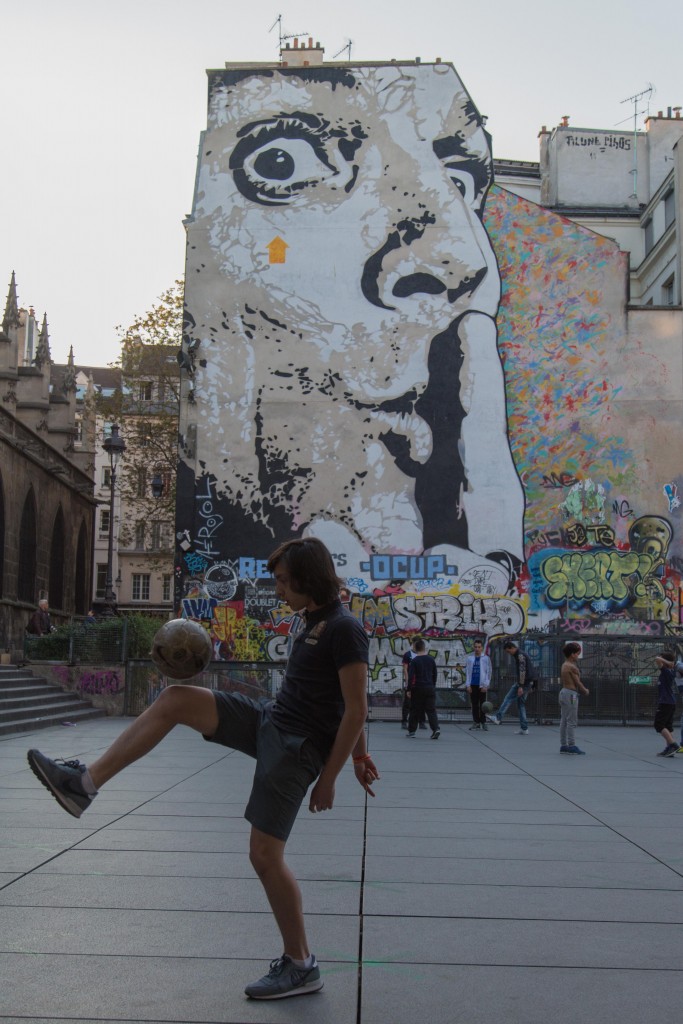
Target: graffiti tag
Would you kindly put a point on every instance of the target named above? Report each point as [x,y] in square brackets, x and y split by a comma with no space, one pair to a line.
[671,495]
[599,535]
[557,481]
[592,575]
[438,613]
[407,567]
[622,509]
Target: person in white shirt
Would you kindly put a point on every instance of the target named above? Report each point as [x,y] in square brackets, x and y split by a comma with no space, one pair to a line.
[478,671]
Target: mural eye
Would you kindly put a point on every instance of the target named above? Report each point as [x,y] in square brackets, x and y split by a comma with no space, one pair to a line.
[280,169]
[274,164]
[464,182]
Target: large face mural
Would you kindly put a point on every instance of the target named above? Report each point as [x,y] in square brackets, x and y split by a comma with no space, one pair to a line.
[352,385]
[344,372]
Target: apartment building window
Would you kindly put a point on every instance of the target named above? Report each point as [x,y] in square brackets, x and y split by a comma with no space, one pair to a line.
[106,476]
[101,584]
[668,292]
[78,437]
[649,230]
[141,586]
[104,522]
[166,588]
[669,209]
[145,392]
[141,488]
[161,535]
[166,480]
[140,534]
[144,435]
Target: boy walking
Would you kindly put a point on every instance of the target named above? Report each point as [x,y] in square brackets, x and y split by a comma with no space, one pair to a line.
[666,702]
[422,675]
[405,710]
[519,691]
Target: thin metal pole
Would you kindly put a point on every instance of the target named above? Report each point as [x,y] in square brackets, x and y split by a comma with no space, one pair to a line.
[109,596]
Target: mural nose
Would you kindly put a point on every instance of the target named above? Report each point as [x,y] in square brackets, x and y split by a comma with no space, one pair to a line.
[412,263]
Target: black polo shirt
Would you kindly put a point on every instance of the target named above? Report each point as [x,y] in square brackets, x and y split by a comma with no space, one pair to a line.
[422,672]
[310,702]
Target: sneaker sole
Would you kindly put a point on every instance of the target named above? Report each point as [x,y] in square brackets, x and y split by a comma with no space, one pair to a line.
[300,990]
[61,799]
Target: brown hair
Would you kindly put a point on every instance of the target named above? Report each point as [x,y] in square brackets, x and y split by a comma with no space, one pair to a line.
[571,648]
[310,568]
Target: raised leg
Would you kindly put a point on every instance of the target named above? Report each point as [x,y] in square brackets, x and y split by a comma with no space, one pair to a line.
[194,706]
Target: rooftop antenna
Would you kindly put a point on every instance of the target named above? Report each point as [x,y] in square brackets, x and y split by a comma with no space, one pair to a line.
[281,35]
[347,46]
[635,100]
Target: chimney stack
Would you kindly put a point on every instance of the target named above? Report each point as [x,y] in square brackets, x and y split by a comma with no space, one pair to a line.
[301,55]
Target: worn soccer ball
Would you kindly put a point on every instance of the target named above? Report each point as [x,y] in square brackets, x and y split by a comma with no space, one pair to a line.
[181,649]
[487,707]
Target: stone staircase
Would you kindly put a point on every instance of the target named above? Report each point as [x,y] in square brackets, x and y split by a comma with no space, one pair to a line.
[29,702]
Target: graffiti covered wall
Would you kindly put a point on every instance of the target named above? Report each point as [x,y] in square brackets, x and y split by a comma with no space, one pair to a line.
[385,351]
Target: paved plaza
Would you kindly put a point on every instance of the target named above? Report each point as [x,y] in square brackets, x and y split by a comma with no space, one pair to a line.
[492,879]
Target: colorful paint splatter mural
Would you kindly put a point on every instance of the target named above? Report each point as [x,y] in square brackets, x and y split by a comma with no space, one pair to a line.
[385,350]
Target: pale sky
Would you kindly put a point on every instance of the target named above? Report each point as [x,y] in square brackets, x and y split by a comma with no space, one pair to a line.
[102,107]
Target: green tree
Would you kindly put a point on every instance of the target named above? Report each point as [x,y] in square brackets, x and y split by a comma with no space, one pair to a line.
[146,409]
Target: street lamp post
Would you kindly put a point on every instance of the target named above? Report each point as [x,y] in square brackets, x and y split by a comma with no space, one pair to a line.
[114,446]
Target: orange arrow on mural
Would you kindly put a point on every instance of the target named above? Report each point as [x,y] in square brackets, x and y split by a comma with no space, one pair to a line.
[276,250]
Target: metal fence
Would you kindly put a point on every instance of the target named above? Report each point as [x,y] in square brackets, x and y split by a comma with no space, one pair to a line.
[144,682]
[620,673]
[104,642]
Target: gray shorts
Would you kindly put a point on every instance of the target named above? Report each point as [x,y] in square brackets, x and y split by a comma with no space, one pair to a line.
[286,764]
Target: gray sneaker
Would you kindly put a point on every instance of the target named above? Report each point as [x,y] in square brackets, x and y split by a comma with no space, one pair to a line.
[284,978]
[521,732]
[64,780]
[493,719]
